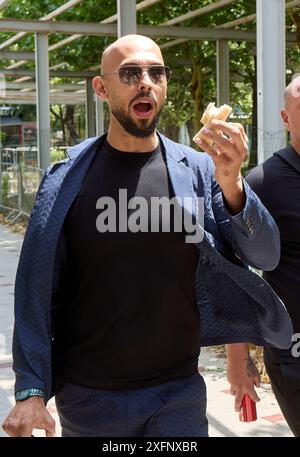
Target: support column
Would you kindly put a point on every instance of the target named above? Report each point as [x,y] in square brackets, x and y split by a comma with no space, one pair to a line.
[42,98]
[1,198]
[223,72]
[126,17]
[99,117]
[270,19]
[89,110]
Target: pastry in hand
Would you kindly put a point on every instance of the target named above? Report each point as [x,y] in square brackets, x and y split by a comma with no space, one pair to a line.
[212,112]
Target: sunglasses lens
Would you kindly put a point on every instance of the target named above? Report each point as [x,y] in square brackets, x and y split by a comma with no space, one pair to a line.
[130,75]
[158,74]
[168,73]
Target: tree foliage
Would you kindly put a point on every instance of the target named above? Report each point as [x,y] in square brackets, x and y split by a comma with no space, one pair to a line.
[193,82]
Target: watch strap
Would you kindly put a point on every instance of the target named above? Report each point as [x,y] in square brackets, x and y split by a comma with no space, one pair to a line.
[27,393]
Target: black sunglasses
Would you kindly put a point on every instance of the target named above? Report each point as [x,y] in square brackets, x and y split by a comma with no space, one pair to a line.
[132,74]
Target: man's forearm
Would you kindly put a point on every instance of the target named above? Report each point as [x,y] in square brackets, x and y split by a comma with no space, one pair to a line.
[237,351]
[234,195]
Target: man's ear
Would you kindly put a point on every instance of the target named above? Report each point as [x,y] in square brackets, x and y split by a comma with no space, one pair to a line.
[99,88]
[285,118]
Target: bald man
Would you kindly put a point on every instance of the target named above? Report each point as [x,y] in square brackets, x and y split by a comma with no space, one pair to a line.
[277,183]
[117,273]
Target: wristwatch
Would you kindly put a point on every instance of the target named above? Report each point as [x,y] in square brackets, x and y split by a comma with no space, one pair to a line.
[27,393]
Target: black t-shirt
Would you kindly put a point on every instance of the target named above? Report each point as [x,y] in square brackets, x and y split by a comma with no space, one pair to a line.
[277,183]
[131,319]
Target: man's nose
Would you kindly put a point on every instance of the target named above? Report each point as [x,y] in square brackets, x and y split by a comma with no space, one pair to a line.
[145,80]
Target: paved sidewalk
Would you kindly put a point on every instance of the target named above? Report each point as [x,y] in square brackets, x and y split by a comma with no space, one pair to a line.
[222,418]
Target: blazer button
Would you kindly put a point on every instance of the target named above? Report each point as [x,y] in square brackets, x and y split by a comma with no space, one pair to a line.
[205,260]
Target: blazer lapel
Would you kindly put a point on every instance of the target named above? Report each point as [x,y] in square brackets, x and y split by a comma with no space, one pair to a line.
[181,177]
[72,182]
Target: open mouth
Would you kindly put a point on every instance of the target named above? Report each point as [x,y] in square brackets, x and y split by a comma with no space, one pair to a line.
[143,109]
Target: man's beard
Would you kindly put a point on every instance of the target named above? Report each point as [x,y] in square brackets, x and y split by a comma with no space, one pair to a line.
[143,130]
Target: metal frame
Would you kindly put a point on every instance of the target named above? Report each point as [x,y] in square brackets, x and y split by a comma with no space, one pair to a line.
[226,25]
[66,6]
[270,74]
[32,86]
[199,12]
[15,55]
[98,29]
[42,98]
[126,17]
[140,6]
[223,72]
[127,24]
[3,3]
[59,74]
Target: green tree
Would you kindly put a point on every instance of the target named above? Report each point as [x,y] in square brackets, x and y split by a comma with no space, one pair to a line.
[193,82]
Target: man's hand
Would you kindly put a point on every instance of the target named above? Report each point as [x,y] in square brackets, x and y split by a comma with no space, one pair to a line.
[228,152]
[242,374]
[27,415]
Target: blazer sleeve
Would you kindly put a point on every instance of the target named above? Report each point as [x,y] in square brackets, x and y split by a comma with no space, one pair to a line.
[31,326]
[252,234]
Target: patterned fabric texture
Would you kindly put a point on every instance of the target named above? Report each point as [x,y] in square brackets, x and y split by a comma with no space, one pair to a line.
[172,409]
[235,304]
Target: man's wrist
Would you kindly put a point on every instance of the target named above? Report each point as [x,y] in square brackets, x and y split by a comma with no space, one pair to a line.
[24,394]
[234,195]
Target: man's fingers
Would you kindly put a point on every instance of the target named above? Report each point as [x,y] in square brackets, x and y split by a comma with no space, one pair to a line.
[241,129]
[223,144]
[257,381]
[25,433]
[4,426]
[229,128]
[207,148]
[28,415]
[224,148]
[50,427]
[16,427]
[253,395]
[232,390]
[235,132]
[24,429]
[238,400]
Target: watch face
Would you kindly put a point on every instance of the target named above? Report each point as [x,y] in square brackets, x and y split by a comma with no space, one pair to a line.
[22,395]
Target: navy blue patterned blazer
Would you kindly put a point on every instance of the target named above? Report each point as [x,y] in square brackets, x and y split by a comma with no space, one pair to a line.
[235,304]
